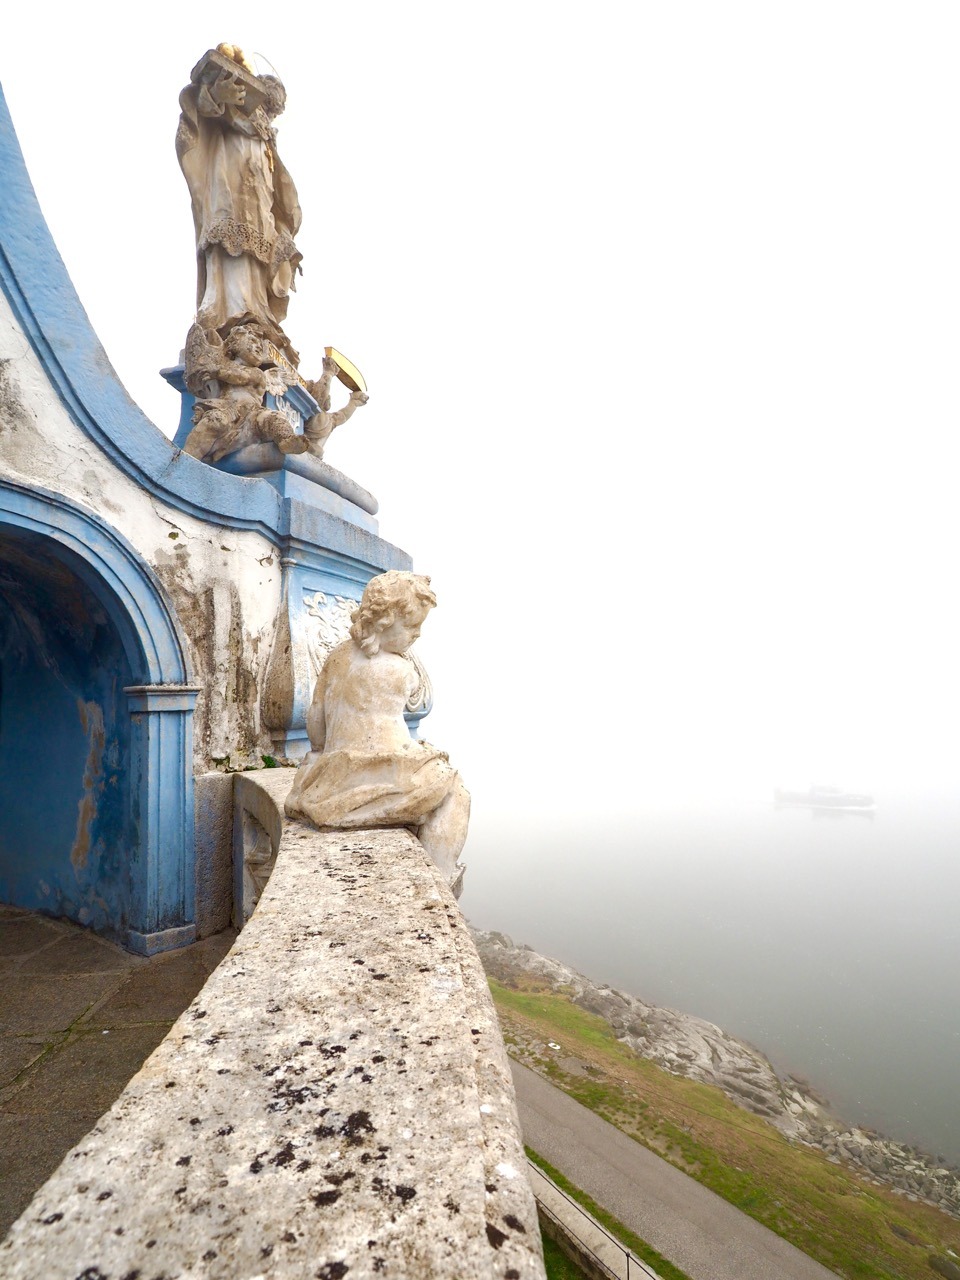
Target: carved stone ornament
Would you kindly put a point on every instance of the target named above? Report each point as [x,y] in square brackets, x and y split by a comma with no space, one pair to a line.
[363,769]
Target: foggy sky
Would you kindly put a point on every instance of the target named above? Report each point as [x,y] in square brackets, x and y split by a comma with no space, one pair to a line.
[658,310]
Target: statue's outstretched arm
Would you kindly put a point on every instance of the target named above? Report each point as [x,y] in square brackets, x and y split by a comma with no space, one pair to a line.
[357,398]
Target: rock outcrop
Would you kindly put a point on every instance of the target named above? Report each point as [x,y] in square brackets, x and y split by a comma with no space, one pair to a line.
[699,1050]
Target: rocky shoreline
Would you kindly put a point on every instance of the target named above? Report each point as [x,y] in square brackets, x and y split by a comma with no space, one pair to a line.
[691,1047]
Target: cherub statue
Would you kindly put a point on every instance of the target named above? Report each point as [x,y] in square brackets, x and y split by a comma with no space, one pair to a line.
[237,416]
[364,770]
[319,428]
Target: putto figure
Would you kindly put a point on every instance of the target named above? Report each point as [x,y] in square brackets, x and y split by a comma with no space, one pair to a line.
[236,417]
[245,206]
[364,770]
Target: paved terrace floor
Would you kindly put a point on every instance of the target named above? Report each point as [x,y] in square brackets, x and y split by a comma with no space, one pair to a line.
[78,1017]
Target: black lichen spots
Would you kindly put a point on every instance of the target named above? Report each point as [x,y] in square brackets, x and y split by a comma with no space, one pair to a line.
[495,1235]
[151,1244]
[198,1014]
[331,1050]
[180,1191]
[368,1156]
[423,936]
[51,1219]
[284,1156]
[512,1274]
[451,1205]
[338,1179]
[104,1195]
[379,1264]
[514,1223]
[378,977]
[132,1275]
[304,1044]
[273,1007]
[223,1071]
[213,1041]
[183,1161]
[378,1058]
[404,1194]
[256,1164]
[355,1126]
[286,1095]
[474,1031]
[303,1166]
[331,945]
[171,1084]
[225,1131]
[288,1237]
[324,1198]
[430,1040]
[195,1121]
[359,962]
[332,1271]
[209,1255]
[490,1186]
[93,1273]
[266,1251]
[355,1035]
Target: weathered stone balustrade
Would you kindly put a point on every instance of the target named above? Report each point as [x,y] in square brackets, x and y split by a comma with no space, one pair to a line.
[336,1101]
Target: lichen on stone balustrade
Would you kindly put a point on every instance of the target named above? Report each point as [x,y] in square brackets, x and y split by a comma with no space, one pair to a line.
[336,1101]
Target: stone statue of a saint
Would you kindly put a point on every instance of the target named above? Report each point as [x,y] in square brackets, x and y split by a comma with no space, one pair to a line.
[245,207]
[364,770]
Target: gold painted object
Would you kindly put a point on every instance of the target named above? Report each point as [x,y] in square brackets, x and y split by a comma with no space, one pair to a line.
[349,374]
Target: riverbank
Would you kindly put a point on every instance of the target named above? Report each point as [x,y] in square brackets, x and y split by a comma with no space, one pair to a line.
[831,1188]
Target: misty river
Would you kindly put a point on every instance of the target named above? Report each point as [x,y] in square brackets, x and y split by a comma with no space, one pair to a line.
[828,941]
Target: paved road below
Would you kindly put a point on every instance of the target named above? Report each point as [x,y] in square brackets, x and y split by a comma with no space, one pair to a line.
[691,1226]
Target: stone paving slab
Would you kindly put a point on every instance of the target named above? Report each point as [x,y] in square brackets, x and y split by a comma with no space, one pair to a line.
[78,1017]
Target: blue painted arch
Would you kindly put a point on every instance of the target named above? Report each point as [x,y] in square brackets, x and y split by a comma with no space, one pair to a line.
[96,728]
[120,578]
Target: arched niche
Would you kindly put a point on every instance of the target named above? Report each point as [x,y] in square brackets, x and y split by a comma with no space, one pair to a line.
[96,718]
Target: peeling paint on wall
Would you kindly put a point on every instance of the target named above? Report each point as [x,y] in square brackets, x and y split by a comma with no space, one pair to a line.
[91,721]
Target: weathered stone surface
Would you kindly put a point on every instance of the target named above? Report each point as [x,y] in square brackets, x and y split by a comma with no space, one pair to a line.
[213,798]
[336,1101]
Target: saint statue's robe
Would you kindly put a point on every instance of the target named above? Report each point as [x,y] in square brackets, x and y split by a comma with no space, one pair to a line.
[245,212]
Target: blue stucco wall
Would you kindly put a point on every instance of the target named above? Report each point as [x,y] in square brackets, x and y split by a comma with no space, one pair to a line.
[66,831]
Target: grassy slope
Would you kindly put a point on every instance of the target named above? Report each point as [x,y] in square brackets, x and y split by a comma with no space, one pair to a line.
[852,1227]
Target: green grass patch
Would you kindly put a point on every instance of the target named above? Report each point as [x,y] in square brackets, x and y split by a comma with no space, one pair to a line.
[853,1228]
[558,1266]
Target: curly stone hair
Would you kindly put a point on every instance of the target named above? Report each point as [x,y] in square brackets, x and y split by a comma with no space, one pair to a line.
[386,596]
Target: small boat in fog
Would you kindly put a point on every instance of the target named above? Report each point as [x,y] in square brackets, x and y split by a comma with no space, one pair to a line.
[826,799]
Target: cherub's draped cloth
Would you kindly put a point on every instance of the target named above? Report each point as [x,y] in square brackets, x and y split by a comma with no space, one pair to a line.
[364,789]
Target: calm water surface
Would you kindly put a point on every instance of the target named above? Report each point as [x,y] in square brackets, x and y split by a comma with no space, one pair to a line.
[829,942]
